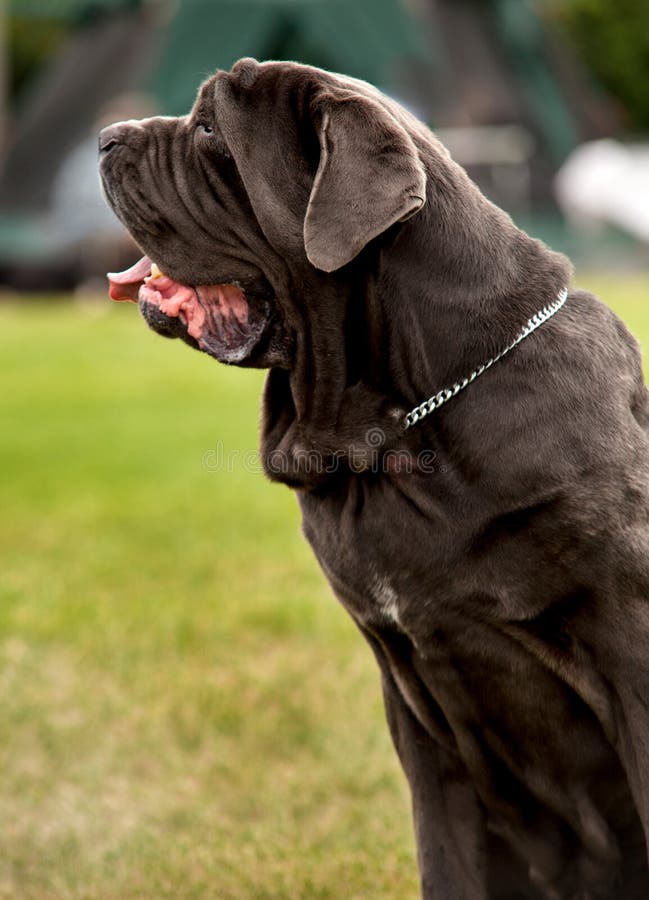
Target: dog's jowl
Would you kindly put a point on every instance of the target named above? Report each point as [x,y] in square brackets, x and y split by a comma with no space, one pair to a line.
[468,441]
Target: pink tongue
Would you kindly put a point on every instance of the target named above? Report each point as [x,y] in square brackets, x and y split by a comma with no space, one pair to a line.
[126,285]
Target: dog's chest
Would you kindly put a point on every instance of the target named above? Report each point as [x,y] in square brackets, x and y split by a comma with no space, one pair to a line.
[366,592]
[364,567]
[364,587]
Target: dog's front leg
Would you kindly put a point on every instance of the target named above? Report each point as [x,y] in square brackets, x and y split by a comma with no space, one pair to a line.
[449,823]
[449,828]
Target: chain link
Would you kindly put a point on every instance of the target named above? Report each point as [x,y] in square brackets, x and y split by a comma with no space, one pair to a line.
[441,397]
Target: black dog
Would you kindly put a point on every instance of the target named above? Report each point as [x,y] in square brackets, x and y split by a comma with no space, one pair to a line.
[494,553]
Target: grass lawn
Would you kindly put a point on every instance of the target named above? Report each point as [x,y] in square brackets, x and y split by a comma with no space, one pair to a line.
[185,711]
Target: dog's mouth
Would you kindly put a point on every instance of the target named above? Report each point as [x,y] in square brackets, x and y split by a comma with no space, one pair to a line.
[216,318]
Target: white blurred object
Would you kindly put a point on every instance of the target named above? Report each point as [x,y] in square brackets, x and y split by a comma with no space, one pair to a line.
[607,182]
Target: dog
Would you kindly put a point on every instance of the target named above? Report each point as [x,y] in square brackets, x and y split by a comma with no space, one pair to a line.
[467,436]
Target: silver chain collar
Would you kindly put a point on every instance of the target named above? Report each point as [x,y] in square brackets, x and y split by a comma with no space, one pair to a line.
[428,406]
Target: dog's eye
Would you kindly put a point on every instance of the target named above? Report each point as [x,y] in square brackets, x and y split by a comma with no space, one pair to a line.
[209,139]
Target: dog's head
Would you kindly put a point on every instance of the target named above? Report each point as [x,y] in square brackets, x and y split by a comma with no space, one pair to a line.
[276,181]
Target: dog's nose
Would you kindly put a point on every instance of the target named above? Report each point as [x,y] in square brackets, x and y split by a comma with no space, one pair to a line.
[111,136]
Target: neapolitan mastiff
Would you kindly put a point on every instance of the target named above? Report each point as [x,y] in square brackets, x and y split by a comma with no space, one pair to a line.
[303,222]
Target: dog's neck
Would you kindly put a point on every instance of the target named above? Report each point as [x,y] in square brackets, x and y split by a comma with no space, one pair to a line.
[452,289]
[420,307]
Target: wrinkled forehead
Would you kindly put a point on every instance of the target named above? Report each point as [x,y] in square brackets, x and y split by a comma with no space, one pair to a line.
[273,81]
[271,106]
[204,102]
[274,86]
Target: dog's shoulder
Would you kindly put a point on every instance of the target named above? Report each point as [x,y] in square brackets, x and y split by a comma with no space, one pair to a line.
[600,346]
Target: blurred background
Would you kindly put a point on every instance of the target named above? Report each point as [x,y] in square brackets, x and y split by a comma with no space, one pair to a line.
[185,711]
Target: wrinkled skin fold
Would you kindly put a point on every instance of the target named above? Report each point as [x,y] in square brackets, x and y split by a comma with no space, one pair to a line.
[504,586]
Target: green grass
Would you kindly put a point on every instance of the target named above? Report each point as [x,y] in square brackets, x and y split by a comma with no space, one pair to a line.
[185,711]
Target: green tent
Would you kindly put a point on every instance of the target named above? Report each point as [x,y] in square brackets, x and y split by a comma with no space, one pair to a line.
[377,40]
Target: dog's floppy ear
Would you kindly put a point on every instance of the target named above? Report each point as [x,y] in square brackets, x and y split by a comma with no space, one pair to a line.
[369,177]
